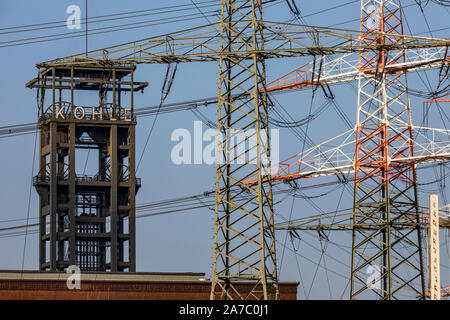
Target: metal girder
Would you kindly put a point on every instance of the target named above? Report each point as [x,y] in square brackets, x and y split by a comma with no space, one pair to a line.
[342,220]
[281,40]
[345,68]
[336,156]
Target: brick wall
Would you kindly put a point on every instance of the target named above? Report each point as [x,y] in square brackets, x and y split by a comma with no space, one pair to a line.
[118,290]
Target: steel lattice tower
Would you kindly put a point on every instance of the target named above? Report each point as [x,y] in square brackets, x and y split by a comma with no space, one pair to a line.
[244,240]
[87,220]
[385,190]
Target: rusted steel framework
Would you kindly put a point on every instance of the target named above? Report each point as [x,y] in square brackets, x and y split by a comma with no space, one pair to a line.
[86,220]
[385,188]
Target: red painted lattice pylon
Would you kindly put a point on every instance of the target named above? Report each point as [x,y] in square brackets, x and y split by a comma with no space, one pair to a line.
[387,257]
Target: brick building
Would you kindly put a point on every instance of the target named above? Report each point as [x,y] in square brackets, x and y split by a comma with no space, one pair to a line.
[37,285]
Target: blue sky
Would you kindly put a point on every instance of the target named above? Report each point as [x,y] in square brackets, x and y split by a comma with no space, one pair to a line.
[183,241]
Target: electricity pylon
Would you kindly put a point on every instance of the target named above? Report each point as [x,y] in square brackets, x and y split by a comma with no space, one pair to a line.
[244,240]
[385,191]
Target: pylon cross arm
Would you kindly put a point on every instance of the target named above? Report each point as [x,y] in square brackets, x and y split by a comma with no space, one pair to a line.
[203,44]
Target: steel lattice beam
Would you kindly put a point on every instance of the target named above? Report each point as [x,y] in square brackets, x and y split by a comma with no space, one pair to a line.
[345,68]
[281,40]
[336,156]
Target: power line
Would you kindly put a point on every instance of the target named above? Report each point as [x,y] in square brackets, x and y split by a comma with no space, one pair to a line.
[68,35]
[148,23]
[113,17]
[102,30]
[29,199]
[206,18]
[165,90]
[185,203]
[127,26]
[26,128]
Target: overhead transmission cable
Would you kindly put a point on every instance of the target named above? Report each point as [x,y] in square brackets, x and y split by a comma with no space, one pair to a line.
[111,17]
[166,20]
[29,200]
[165,90]
[120,27]
[102,30]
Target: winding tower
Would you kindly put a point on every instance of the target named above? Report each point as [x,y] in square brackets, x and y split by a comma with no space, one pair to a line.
[87,220]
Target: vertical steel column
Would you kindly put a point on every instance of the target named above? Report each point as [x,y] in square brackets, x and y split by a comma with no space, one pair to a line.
[53,195]
[53,179]
[244,241]
[42,200]
[132,199]
[113,210]
[132,181]
[114,93]
[72,194]
[386,257]
[72,101]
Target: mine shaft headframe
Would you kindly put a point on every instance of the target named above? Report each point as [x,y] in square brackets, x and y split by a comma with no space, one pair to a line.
[87,220]
[86,77]
[105,79]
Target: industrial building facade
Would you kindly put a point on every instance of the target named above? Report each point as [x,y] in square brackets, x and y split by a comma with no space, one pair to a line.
[35,285]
